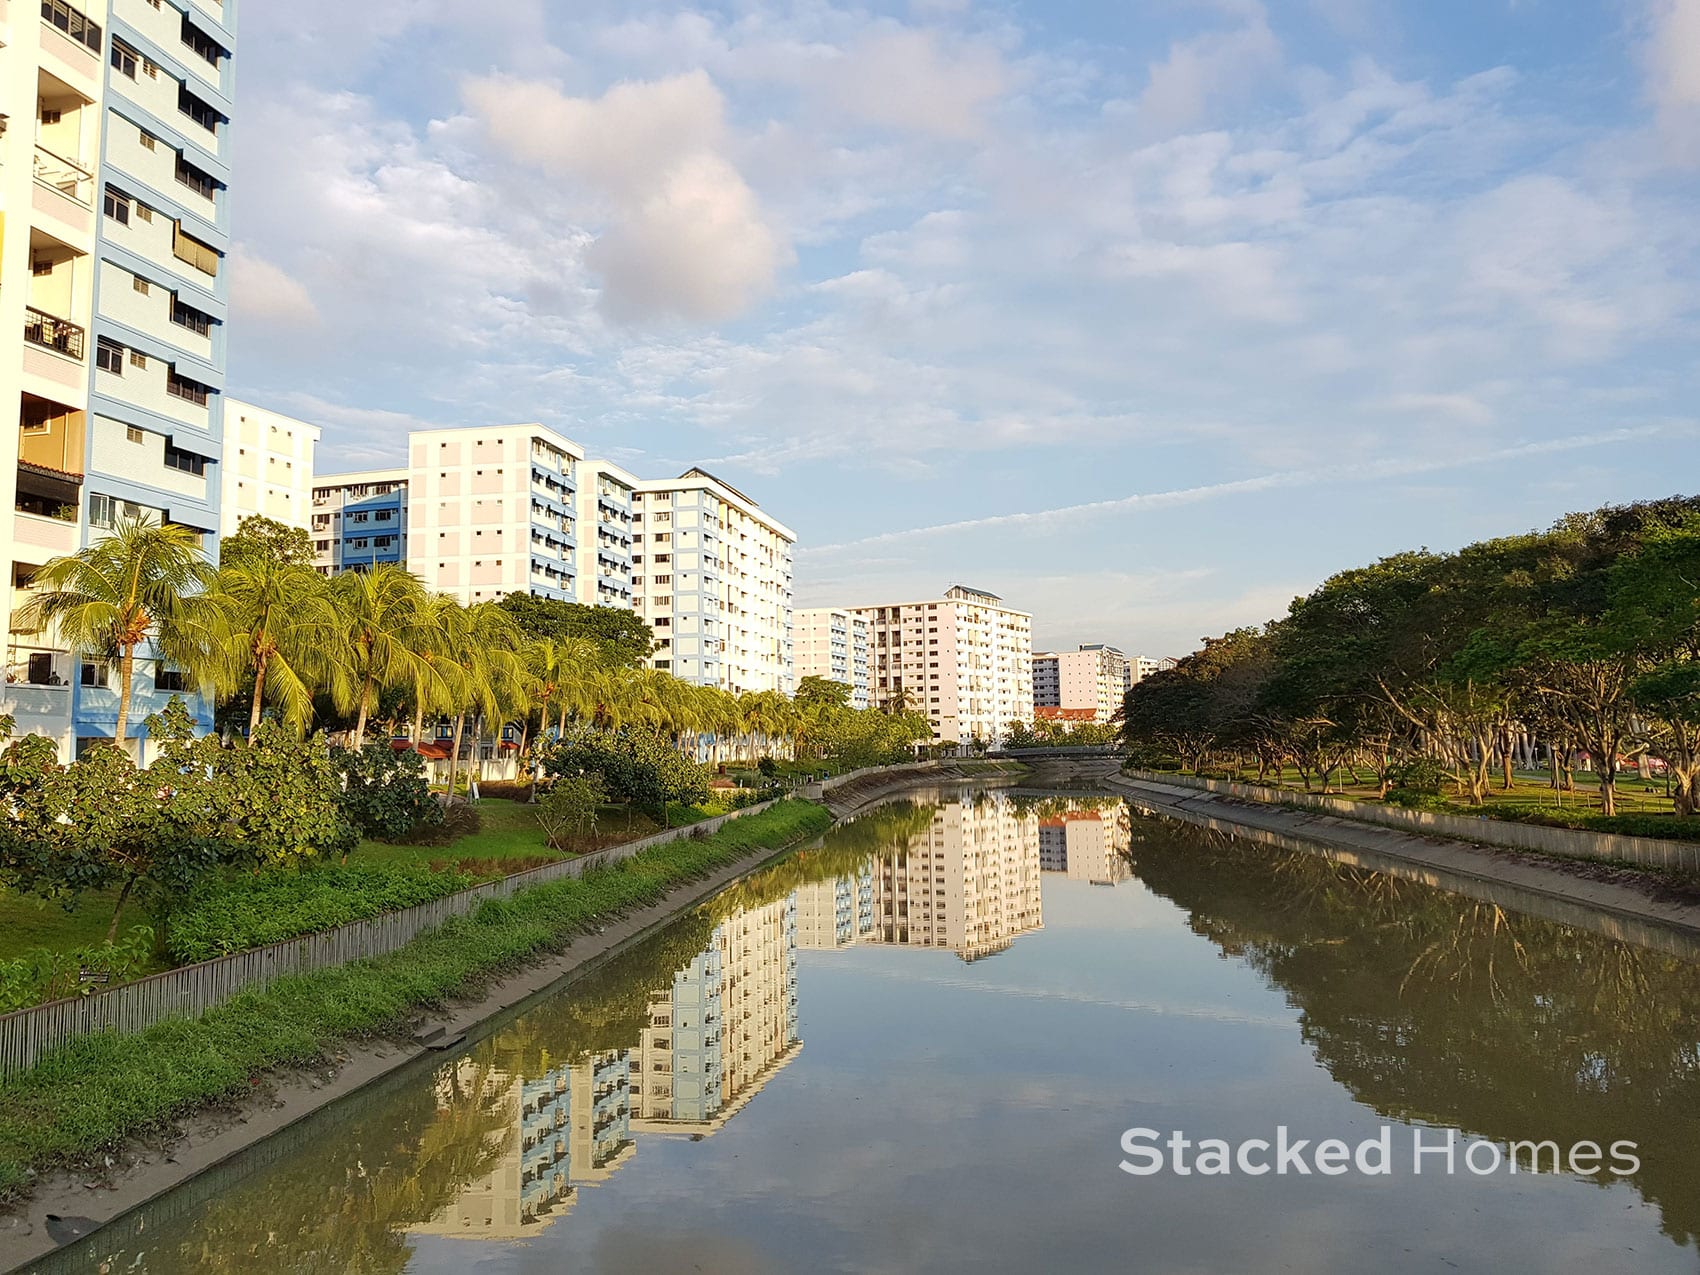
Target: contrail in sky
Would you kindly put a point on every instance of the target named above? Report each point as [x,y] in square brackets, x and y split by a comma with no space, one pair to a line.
[1399,468]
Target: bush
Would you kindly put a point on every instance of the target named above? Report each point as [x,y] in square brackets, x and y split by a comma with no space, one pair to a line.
[567,810]
[768,767]
[637,766]
[385,793]
[1414,799]
[508,789]
[1421,776]
[452,823]
[41,975]
[251,911]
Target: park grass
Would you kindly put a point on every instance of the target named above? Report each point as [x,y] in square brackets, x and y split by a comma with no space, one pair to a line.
[102,1089]
[1635,796]
[28,923]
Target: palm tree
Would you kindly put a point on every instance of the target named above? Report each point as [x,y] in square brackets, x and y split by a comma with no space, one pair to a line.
[143,583]
[389,627]
[283,632]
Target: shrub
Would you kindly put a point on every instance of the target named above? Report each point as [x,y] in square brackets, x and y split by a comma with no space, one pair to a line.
[451,824]
[41,975]
[1415,799]
[385,792]
[568,809]
[251,911]
[499,789]
[1421,776]
[768,767]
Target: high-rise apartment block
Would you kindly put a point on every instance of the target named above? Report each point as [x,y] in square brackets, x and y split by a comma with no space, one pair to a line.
[605,519]
[359,520]
[833,643]
[712,576]
[114,167]
[1068,685]
[268,467]
[964,659]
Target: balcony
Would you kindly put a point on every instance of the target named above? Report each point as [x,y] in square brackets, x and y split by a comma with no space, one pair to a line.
[66,176]
[73,22]
[53,333]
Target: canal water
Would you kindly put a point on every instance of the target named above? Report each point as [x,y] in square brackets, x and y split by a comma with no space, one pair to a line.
[917,1046]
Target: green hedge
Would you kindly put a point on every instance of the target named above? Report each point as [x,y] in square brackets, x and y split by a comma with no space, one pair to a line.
[251,911]
[102,1089]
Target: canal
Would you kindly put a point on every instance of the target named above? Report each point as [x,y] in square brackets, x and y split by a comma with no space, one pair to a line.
[917,1046]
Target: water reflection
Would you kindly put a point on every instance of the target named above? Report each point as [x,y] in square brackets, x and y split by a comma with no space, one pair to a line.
[1423,1005]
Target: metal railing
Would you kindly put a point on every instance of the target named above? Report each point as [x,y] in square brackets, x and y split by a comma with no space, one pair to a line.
[66,176]
[73,22]
[54,333]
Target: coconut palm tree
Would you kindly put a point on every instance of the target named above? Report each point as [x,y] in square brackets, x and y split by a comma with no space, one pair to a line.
[144,583]
[389,627]
[283,632]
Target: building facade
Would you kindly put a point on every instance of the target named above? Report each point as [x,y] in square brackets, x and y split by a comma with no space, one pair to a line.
[712,576]
[52,92]
[268,467]
[1092,679]
[964,659]
[493,510]
[605,518]
[832,643]
[359,520]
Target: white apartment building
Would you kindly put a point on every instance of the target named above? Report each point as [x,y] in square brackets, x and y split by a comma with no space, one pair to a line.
[832,643]
[1088,844]
[493,510]
[1092,679]
[605,518]
[712,576]
[359,520]
[964,659]
[52,88]
[268,467]
[1145,665]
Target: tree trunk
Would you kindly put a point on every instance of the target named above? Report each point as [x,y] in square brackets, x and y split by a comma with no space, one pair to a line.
[123,897]
[360,721]
[259,696]
[126,681]
[454,753]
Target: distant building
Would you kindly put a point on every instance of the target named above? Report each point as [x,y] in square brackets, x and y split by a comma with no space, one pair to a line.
[1144,666]
[712,576]
[1092,679]
[359,520]
[1088,845]
[606,517]
[964,659]
[833,643]
[268,467]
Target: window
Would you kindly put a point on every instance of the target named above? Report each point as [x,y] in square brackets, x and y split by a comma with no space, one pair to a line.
[170,679]
[123,59]
[201,183]
[138,360]
[94,674]
[204,257]
[198,110]
[186,462]
[143,212]
[139,284]
[186,316]
[117,205]
[109,356]
[133,435]
[148,140]
[182,387]
[201,43]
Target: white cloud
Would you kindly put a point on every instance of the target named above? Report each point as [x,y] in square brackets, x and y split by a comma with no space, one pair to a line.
[1673,66]
[1202,73]
[684,235]
[905,78]
[262,293]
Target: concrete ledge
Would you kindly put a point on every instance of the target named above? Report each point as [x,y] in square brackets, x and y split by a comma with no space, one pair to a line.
[1648,852]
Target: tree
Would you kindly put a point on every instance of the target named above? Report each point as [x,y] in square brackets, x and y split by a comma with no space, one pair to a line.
[282,632]
[815,691]
[568,808]
[622,635]
[143,584]
[388,630]
[262,539]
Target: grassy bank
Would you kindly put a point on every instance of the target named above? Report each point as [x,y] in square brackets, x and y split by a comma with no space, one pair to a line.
[103,1089]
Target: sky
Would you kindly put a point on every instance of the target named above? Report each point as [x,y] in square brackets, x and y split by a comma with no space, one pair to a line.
[1147,316]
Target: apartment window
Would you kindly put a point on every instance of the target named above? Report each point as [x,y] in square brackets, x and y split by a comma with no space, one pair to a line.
[198,110]
[109,356]
[139,284]
[186,462]
[201,183]
[93,674]
[138,360]
[186,316]
[150,68]
[382,542]
[124,59]
[148,140]
[201,43]
[182,387]
[203,256]
[117,205]
[170,679]
[133,435]
[143,213]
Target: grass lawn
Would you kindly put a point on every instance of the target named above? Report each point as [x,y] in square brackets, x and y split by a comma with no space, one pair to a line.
[27,923]
[1634,795]
[509,834]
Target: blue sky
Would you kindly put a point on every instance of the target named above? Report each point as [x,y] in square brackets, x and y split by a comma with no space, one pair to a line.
[1146,316]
